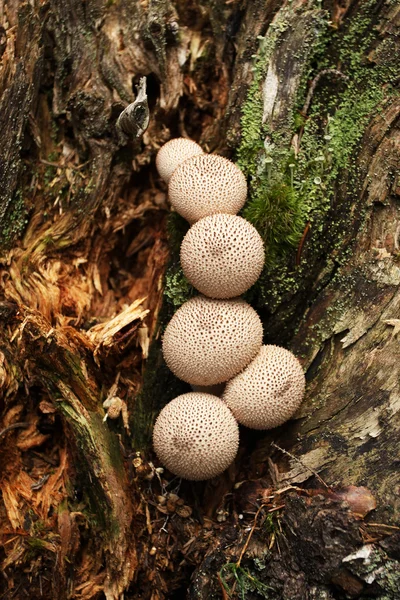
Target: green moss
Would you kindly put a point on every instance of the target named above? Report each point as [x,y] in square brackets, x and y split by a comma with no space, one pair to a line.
[253,131]
[289,193]
[177,289]
[279,201]
[36,544]
[270,524]
[276,212]
[38,527]
[15,221]
[231,575]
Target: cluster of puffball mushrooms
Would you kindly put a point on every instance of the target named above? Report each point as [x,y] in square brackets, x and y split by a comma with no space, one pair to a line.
[216,338]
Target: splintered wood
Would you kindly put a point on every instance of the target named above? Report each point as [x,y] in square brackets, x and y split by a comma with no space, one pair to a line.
[106,335]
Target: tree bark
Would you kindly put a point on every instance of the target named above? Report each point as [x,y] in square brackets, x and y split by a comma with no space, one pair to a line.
[304,97]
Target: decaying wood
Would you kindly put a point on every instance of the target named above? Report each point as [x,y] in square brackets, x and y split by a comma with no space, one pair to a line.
[350,425]
[85,512]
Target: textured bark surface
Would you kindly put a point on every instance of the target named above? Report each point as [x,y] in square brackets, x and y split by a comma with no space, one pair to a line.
[83,256]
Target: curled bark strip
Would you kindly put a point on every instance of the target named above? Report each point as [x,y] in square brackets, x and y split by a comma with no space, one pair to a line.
[13,426]
[134,120]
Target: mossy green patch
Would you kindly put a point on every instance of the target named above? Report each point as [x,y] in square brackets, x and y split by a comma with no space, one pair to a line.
[15,221]
[293,180]
[279,203]
[177,288]
[36,544]
[233,576]
[253,131]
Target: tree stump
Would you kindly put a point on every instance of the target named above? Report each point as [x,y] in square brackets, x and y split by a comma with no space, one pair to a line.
[304,97]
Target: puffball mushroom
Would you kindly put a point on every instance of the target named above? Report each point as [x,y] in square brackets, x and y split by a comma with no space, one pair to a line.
[269,391]
[222,255]
[207,184]
[196,436]
[173,153]
[210,341]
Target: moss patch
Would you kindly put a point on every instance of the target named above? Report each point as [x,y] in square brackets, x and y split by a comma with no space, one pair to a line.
[278,204]
[16,220]
[177,288]
[291,192]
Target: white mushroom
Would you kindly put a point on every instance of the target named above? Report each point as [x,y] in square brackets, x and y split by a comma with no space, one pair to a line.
[196,436]
[173,153]
[209,341]
[222,256]
[269,391]
[207,184]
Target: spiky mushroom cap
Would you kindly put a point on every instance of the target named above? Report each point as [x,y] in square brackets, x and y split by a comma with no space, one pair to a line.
[210,341]
[207,184]
[173,153]
[269,391]
[196,436]
[222,255]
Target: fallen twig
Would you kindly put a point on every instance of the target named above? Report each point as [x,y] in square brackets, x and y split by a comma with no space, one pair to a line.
[328,487]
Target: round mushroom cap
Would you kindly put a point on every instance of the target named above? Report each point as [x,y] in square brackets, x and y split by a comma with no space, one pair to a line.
[222,255]
[196,436]
[210,341]
[269,391]
[207,184]
[173,153]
